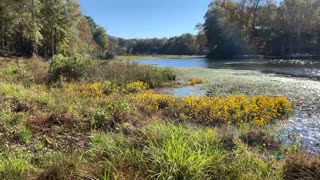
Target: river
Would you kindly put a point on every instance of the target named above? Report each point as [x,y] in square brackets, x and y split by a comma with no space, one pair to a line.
[298,68]
[299,80]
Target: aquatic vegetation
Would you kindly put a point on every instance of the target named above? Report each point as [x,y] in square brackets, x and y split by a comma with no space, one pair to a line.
[194,81]
[235,109]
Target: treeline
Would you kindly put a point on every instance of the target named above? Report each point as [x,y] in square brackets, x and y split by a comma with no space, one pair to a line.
[263,27]
[232,28]
[186,44]
[49,27]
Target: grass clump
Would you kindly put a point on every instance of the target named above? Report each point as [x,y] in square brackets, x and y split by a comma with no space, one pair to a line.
[260,139]
[60,166]
[14,166]
[302,165]
[174,152]
[25,134]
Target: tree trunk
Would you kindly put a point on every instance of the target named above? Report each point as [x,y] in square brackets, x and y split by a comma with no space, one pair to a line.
[2,35]
[34,44]
[52,31]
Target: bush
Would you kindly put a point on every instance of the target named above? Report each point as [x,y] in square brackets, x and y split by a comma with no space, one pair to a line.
[136,86]
[107,55]
[112,116]
[102,120]
[235,109]
[69,68]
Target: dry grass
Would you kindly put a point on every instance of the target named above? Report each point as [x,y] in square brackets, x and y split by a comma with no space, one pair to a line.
[302,165]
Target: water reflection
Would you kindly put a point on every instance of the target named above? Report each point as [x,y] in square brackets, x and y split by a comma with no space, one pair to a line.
[298,68]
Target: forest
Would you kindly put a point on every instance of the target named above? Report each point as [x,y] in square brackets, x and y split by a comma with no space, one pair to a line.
[231,28]
[263,27]
[47,28]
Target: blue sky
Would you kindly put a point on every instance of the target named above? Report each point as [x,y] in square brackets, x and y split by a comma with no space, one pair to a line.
[146,18]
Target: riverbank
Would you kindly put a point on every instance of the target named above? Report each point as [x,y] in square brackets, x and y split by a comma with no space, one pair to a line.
[110,123]
[133,57]
[304,124]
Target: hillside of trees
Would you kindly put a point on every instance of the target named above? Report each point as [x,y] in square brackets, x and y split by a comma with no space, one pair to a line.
[231,28]
[46,28]
[263,27]
[186,44]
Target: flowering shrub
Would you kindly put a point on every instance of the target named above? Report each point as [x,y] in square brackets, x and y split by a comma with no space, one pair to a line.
[136,86]
[236,109]
[193,81]
[85,90]
[91,90]
[151,102]
[216,110]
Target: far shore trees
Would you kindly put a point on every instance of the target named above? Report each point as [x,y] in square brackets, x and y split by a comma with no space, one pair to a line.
[263,27]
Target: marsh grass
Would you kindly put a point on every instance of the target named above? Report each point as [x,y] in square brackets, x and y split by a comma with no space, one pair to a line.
[99,127]
[167,151]
[24,71]
[123,73]
[302,165]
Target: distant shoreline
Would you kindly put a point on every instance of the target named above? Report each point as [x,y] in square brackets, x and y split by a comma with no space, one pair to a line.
[262,57]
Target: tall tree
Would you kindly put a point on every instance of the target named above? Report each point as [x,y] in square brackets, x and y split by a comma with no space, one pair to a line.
[101,38]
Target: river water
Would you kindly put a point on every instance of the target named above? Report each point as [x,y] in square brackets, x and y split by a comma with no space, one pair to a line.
[299,80]
[298,68]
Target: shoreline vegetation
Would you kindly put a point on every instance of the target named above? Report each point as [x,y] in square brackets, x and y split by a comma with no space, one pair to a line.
[256,57]
[107,123]
[163,56]
[65,114]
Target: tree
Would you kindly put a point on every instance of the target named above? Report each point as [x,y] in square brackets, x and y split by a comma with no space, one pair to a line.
[101,38]
[36,27]
[225,41]
[47,27]
[260,26]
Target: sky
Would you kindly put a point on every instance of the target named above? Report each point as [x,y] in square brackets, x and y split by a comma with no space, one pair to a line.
[146,18]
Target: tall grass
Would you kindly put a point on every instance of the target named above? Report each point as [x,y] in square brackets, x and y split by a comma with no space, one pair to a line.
[123,73]
[167,151]
[24,71]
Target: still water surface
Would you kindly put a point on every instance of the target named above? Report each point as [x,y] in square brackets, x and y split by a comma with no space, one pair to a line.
[299,68]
